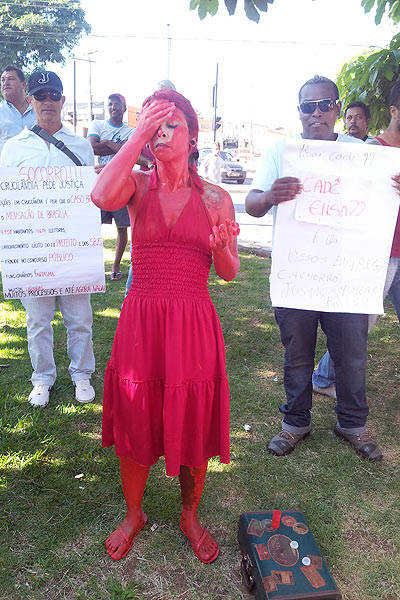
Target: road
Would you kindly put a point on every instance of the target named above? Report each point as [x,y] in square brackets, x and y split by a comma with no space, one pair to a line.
[254,233]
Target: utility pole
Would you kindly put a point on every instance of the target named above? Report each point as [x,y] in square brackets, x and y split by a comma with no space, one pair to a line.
[215,102]
[88,60]
[169,52]
[74,113]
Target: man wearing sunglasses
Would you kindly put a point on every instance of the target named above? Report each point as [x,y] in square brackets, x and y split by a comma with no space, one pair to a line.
[45,95]
[319,108]
[15,110]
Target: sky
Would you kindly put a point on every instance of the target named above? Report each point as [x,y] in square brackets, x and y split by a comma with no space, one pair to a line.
[261,66]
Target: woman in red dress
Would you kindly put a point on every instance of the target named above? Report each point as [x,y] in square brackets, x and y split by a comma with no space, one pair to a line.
[165,390]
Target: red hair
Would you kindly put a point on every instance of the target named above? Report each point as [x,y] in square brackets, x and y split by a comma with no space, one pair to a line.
[180,102]
[192,122]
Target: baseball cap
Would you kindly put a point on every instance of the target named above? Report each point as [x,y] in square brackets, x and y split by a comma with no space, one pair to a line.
[47,80]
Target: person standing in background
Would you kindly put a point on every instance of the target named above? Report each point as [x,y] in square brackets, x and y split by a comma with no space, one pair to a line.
[15,111]
[212,165]
[107,137]
[356,119]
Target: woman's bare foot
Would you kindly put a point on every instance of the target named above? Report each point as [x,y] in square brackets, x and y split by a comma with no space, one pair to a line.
[120,541]
[204,546]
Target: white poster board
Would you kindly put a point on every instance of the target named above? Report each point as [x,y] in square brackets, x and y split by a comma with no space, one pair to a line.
[332,243]
[50,232]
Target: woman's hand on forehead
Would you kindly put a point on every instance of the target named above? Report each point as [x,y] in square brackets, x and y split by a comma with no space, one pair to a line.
[162,104]
[153,115]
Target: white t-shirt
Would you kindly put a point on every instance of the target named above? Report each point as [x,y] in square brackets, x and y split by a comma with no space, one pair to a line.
[211,167]
[105,130]
[270,167]
[30,150]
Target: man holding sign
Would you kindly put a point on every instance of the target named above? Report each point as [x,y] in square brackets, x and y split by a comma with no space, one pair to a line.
[319,108]
[28,149]
[324,375]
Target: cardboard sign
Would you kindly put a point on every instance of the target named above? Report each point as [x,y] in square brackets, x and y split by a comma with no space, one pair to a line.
[332,243]
[50,232]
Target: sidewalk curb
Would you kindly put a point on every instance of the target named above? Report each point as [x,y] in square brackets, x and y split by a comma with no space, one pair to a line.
[249,249]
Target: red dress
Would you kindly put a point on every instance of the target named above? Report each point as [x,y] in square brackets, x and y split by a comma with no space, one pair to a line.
[166,390]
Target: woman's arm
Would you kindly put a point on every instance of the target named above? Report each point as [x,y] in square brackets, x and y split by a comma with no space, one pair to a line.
[115,184]
[223,239]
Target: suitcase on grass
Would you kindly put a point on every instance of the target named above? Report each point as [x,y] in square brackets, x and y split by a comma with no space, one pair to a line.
[283,563]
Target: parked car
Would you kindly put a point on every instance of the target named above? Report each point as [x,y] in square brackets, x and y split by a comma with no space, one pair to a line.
[232,169]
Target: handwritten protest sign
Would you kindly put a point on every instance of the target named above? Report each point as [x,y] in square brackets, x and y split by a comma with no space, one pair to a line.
[332,243]
[50,232]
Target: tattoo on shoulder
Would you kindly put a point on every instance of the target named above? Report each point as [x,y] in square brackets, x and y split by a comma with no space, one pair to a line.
[213,197]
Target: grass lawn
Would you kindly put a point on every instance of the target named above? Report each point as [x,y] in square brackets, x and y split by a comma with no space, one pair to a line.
[53,524]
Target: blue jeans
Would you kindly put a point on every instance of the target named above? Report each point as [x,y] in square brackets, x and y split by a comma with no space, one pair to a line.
[394,290]
[130,276]
[347,336]
[129,280]
[324,374]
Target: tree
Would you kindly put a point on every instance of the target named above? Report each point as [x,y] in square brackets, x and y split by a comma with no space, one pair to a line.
[252,8]
[33,33]
[392,6]
[370,78]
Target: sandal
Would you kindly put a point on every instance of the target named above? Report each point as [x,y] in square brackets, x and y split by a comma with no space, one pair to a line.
[116,275]
[200,547]
[128,540]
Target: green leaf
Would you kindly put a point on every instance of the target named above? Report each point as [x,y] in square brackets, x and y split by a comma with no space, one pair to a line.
[370,78]
[251,12]
[388,73]
[373,75]
[202,10]
[395,42]
[261,5]
[367,5]
[213,7]
[395,13]
[193,4]
[362,96]
[379,14]
[231,6]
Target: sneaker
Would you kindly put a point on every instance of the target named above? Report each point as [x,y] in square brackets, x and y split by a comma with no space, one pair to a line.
[363,444]
[285,442]
[330,390]
[39,396]
[84,392]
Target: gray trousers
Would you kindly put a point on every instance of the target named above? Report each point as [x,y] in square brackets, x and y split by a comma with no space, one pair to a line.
[77,317]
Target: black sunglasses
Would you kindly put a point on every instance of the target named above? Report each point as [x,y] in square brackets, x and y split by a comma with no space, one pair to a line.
[324,105]
[41,95]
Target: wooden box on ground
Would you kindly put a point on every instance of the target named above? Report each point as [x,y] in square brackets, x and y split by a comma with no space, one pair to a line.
[274,568]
